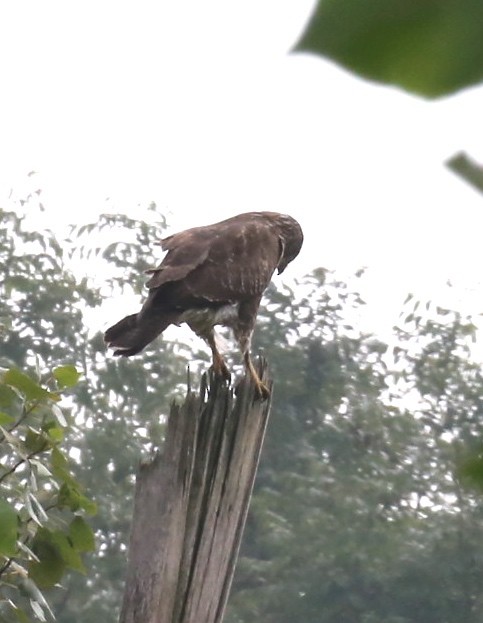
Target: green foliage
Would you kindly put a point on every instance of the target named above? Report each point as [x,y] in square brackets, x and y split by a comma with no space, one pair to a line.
[41,302]
[468,169]
[428,47]
[470,468]
[9,529]
[66,376]
[40,534]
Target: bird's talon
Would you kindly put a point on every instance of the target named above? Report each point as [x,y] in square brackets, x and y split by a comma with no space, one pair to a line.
[262,391]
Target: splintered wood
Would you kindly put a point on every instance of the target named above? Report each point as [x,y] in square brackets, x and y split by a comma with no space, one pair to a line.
[191,503]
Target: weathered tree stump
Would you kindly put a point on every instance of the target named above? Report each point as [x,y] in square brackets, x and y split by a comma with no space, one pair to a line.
[191,503]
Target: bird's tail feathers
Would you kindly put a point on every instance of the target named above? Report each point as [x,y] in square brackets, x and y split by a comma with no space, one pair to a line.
[131,334]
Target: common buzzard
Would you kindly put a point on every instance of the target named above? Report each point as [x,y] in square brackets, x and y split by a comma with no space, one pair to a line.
[212,275]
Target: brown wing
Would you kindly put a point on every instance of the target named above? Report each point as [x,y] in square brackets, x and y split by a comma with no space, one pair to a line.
[239,265]
[226,262]
[186,251]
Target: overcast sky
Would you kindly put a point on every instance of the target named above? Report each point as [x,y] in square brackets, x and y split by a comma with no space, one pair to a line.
[201,107]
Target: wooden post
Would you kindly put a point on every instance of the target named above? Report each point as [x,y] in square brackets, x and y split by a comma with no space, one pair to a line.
[191,503]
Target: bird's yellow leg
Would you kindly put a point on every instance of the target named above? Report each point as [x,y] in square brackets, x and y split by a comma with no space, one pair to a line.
[219,366]
[262,390]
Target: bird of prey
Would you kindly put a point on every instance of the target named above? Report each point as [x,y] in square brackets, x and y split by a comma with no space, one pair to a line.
[212,275]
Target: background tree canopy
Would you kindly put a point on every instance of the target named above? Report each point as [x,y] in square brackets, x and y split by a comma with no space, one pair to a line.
[358,512]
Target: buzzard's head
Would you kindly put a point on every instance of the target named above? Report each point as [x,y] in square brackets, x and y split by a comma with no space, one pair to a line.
[290,239]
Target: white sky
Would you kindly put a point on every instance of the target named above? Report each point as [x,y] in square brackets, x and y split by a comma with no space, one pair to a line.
[200,107]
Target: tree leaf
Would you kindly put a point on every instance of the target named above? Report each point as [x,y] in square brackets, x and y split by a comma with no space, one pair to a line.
[36,442]
[55,552]
[21,615]
[38,611]
[8,529]
[7,396]
[58,460]
[57,411]
[15,442]
[27,386]
[30,589]
[70,555]
[6,419]
[81,535]
[60,469]
[66,376]
[468,169]
[40,511]
[51,566]
[56,433]
[30,554]
[41,468]
[71,497]
[30,510]
[428,47]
